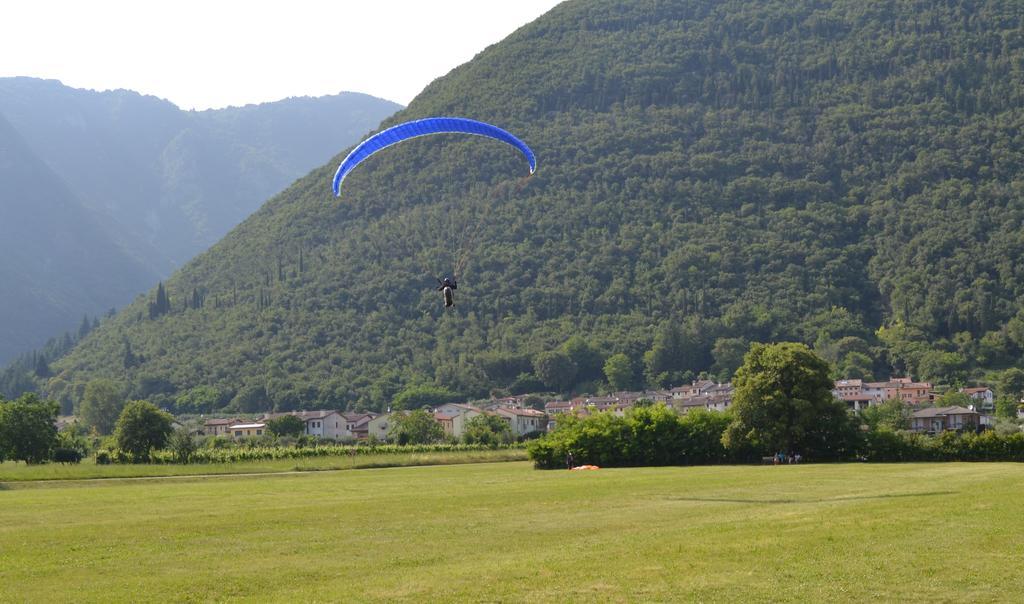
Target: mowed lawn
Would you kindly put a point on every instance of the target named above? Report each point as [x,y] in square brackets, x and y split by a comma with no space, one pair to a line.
[504,532]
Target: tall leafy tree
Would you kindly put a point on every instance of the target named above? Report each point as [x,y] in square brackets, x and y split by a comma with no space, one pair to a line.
[415,428]
[556,369]
[286,425]
[892,414]
[618,369]
[588,359]
[1007,407]
[1010,383]
[27,428]
[141,428]
[728,354]
[423,395]
[487,429]
[783,402]
[101,405]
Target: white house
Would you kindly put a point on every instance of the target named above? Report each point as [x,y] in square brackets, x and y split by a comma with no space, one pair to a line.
[322,423]
[982,398]
[524,421]
[456,409]
[380,427]
[218,427]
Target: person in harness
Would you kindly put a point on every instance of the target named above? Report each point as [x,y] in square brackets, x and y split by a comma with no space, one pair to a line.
[447,285]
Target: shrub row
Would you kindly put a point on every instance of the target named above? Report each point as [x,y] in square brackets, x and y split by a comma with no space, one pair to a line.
[656,436]
[886,445]
[648,436]
[263,453]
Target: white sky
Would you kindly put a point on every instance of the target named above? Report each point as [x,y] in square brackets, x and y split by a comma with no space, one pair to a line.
[202,54]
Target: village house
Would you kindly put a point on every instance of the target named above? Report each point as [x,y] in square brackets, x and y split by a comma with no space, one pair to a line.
[982,398]
[453,417]
[848,388]
[218,427]
[457,408]
[379,428]
[709,402]
[909,391]
[354,420]
[446,422]
[601,403]
[246,430]
[556,407]
[685,405]
[858,394]
[703,394]
[360,426]
[524,421]
[940,419]
[694,389]
[321,423]
[852,392]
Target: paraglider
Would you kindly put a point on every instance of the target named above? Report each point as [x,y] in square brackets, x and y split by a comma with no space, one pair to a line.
[424,127]
[446,289]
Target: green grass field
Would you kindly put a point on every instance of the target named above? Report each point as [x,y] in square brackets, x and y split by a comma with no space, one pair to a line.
[505,532]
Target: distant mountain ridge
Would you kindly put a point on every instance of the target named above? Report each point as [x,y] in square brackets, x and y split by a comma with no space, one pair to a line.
[160,183]
[847,174]
[59,259]
[180,179]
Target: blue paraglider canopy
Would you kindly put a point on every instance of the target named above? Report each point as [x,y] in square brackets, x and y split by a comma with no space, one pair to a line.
[423,127]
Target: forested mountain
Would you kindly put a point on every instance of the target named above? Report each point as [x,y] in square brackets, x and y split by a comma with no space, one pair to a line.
[164,184]
[847,174]
[58,260]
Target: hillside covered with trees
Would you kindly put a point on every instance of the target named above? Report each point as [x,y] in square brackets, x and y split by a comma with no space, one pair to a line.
[844,174]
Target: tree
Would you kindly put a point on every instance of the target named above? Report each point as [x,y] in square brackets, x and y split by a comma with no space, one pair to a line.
[27,428]
[556,369]
[856,365]
[534,402]
[250,398]
[487,429]
[525,382]
[588,359]
[141,428]
[783,402]
[161,304]
[101,405]
[423,395]
[942,367]
[1010,383]
[1007,407]
[664,362]
[892,414]
[182,445]
[728,354]
[286,425]
[619,371]
[200,399]
[954,399]
[415,428]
